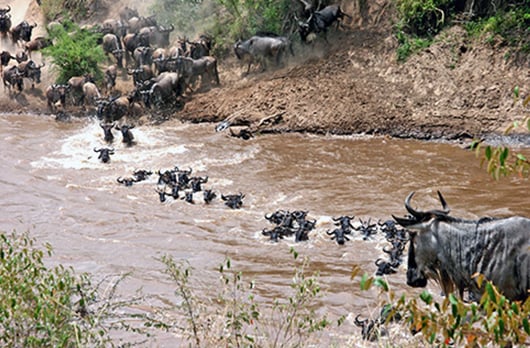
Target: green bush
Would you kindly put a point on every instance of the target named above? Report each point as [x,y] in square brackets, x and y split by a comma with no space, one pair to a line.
[452,322]
[75,51]
[42,306]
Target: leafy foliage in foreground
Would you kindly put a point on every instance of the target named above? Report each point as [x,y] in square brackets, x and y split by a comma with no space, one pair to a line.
[453,322]
[41,306]
[75,51]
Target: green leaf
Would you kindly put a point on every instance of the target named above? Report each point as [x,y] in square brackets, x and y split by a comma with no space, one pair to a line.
[521,157]
[491,292]
[516,91]
[503,155]
[366,282]
[526,326]
[426,297]
[487,152]
[453,299]
[380,282]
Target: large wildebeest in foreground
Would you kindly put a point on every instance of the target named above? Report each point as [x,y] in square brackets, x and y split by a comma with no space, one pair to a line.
[260,49]
[452,251]
[319,21]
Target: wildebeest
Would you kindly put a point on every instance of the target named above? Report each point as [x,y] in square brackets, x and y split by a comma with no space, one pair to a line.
[452,250]
[127,13]
[31,71]
[209,195]
[107,132]
[339,235]
[260,49]
[143,55]
[166,89]
[112,44]
[192,69]
[12,77]
[104,154]
[76,87]
[21,56]
[114,26]
[125,181]
[110,78]
[138,22]
[158,35]
[234,201]
[91,93]
[5,57]
[55,93]
[37,44]
[319,21]
[22,32]
[141,74]
[5,21]
[127,136]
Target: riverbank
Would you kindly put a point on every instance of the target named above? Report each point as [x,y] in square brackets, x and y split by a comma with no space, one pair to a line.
[458,88]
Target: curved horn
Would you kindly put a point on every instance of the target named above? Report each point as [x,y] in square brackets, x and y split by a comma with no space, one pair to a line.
[378,262]
[97,150]
[359,322]
[415,213]
[8,8]
[387,251]
[119,179]
[330,232]
[445,207]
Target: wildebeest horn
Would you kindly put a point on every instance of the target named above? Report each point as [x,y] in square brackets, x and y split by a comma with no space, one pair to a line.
[330,232]
[359,322]
[8,8]
[378,261]
[413,212]
[445,207]
[97,150]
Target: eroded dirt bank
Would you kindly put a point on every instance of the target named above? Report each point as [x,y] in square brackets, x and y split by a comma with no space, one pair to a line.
[453,89]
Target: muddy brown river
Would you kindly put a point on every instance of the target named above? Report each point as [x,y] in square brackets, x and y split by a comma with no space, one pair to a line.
[53,185]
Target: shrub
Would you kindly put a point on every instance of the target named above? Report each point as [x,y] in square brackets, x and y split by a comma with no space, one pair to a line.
[75,51]
[42,306]
[453,322]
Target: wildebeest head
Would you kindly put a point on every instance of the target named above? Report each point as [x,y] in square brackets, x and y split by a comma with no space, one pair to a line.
[126,133]
[418,260]
[104,154]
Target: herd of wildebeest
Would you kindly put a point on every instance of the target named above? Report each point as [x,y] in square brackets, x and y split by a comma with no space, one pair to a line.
[449,250]
[163,72]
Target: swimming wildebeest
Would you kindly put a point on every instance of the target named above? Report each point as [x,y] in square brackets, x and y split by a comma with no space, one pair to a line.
[452,250]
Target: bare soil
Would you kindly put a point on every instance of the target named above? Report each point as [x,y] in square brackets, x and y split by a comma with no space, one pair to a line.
[457,88]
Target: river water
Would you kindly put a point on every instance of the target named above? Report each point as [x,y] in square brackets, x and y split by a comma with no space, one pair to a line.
[53,185]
